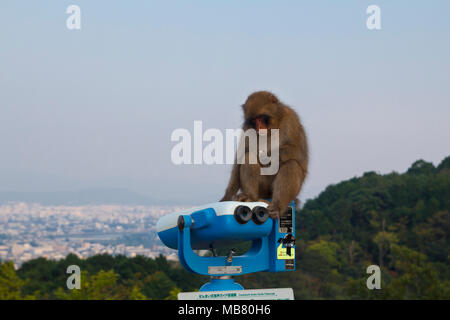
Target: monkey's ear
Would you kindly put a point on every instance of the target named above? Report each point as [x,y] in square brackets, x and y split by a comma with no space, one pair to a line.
[274,99]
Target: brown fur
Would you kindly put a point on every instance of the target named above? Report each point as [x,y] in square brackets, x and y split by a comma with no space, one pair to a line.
[285,185]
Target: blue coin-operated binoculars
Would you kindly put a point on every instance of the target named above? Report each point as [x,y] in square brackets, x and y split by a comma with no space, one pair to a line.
[224,224]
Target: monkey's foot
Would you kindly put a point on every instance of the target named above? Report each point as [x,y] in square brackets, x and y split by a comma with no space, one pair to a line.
[242,197]
[226,198]
[274,211]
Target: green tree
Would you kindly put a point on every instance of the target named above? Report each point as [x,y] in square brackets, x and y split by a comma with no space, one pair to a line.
[158,286]
[320,259]
[421,167]
[173,294]
[101,286]
[384,240]
[417,279]
[10,283]
[136,294]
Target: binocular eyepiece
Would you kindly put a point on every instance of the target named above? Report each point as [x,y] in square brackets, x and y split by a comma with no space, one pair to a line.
[221,224]
[258,214]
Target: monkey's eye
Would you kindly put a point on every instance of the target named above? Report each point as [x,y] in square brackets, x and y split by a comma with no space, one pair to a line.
[264,118]
[251,122]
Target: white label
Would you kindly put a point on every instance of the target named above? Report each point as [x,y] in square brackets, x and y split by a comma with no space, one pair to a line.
[258,294]
[225,270]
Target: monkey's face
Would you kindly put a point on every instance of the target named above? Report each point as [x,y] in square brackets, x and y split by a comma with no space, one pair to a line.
[261,111]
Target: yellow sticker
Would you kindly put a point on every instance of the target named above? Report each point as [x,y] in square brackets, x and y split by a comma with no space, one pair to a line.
[282,253]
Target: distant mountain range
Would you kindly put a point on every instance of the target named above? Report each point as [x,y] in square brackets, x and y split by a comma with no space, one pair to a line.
[81,197]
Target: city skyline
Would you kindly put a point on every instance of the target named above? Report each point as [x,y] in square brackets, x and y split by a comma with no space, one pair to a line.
[29,231]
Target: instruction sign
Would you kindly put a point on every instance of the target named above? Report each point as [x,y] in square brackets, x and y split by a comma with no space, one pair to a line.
[257,294]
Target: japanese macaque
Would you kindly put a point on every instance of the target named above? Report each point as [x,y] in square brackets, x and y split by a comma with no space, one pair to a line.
[263,112]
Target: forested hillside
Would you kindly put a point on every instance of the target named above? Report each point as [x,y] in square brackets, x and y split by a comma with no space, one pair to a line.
[400,222]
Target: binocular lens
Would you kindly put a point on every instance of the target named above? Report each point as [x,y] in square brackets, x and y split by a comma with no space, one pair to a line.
[260,215]
[242,214]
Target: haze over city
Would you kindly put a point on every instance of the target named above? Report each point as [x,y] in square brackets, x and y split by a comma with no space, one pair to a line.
[94,108]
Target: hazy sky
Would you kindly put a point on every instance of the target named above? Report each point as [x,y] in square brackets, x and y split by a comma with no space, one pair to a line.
[96,107]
